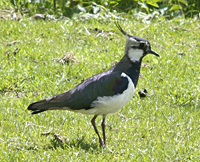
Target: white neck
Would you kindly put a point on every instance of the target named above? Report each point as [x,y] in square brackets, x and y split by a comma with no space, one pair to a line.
[135,54]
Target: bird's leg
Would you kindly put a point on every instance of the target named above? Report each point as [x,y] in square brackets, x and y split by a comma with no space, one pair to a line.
[95,128]
[103,129]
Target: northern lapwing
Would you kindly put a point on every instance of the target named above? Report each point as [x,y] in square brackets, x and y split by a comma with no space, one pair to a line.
[106,92]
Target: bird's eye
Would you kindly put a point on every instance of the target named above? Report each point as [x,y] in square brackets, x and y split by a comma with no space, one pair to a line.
[142,45]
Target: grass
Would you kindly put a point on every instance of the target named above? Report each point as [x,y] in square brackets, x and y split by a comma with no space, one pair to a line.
[162,127]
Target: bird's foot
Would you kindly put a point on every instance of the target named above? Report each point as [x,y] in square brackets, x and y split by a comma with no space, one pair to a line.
[101,143]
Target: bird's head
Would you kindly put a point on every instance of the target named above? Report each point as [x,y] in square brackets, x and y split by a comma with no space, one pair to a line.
[136,47]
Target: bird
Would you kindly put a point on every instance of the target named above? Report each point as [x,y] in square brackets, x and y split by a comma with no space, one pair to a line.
[106,92]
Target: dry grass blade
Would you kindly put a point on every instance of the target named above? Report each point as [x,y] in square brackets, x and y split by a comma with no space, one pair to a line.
[68,58]
[57,137]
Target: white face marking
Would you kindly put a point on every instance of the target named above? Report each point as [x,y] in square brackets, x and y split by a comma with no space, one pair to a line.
[135,54]
[132,39]
[111,104]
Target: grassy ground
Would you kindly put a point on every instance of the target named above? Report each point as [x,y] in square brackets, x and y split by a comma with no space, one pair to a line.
[163,127]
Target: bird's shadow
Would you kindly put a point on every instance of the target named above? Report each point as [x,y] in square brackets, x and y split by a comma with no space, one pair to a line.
[56,143]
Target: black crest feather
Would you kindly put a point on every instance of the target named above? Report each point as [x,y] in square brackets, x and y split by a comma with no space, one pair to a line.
[120,29]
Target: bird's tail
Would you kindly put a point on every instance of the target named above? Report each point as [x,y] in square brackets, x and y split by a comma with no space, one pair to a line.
[40,106]
[56,102]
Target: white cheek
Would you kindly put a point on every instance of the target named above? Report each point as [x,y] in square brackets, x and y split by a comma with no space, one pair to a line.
[135,54]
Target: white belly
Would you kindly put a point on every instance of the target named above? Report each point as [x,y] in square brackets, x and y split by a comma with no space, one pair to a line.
[111,104]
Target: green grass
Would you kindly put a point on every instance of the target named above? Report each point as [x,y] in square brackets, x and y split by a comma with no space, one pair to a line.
[163,127]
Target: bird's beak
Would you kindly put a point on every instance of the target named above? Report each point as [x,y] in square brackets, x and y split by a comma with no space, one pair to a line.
[154,53]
